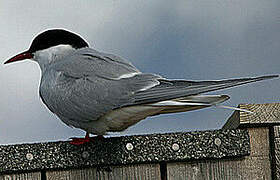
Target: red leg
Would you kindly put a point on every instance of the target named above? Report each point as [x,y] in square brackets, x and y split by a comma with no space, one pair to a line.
[80,141]
[86,139]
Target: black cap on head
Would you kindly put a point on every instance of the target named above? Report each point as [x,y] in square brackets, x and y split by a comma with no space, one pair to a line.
[56,37]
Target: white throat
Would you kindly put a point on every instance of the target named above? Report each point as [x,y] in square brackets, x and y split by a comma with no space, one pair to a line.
[48,56]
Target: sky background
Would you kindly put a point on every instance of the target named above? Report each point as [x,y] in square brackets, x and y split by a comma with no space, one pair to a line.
[183,39]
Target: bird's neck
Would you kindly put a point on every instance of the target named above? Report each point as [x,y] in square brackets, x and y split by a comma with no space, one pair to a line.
[53,54]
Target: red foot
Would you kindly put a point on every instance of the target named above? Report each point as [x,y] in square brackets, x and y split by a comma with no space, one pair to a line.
[80,141]
[86,139]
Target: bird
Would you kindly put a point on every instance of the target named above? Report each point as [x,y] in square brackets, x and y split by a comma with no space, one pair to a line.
[100,92]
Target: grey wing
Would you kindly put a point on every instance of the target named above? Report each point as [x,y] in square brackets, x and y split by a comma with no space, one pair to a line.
[150,89]
[89,84]
[172,89]
[89,62]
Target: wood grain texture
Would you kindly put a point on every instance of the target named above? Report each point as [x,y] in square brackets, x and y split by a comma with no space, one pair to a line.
[277,131]
[264,114]
[22,176]
[255,166]
[143,172]
[277,157]
[277,151]
[259,141]
[238,169]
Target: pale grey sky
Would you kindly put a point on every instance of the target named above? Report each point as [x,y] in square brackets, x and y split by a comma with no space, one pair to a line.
[184,39]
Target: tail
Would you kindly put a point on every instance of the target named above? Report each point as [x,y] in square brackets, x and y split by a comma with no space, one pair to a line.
[234,108]
[189,103]
[173,89]
[193,103]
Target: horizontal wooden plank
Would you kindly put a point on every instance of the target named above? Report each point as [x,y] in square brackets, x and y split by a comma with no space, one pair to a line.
[237,169]
[263,115]
[22,176]
[125,150]
[143,172]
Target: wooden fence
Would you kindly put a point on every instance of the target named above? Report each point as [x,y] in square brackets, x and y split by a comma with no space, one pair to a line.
[247,147]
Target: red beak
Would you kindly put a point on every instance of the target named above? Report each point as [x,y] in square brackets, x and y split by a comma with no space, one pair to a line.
[22,56]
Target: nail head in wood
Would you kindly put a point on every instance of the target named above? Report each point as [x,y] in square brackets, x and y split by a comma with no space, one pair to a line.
[175,147]
[129,146]
[29,156]
[218,141]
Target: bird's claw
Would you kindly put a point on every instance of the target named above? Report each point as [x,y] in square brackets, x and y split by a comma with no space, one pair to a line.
[79,141]
[85,140]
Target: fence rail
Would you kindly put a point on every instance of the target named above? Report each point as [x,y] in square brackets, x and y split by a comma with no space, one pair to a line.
[247,147]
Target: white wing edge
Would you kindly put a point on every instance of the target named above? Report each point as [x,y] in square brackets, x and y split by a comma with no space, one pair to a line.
[197,100]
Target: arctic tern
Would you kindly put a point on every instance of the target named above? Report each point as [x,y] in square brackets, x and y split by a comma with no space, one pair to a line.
[100,92]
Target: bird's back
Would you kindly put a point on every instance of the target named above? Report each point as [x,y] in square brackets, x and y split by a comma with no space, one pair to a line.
[84,85]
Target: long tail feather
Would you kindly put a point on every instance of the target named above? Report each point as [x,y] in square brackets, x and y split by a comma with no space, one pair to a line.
[234,108]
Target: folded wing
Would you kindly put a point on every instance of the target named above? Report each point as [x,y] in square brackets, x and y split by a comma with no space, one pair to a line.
[172,89]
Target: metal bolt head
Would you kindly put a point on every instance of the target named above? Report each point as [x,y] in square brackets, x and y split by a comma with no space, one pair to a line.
[29,156]
[175,147]
[218,141]
[129,146]
[85,155]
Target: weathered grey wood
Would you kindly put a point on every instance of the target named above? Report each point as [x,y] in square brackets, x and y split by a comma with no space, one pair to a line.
[255,166]
[264,115]
[143,172]
[235,169]
[125,150]
[277,131]
[259,141]
[277,151]
[22,176]
[277,157]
